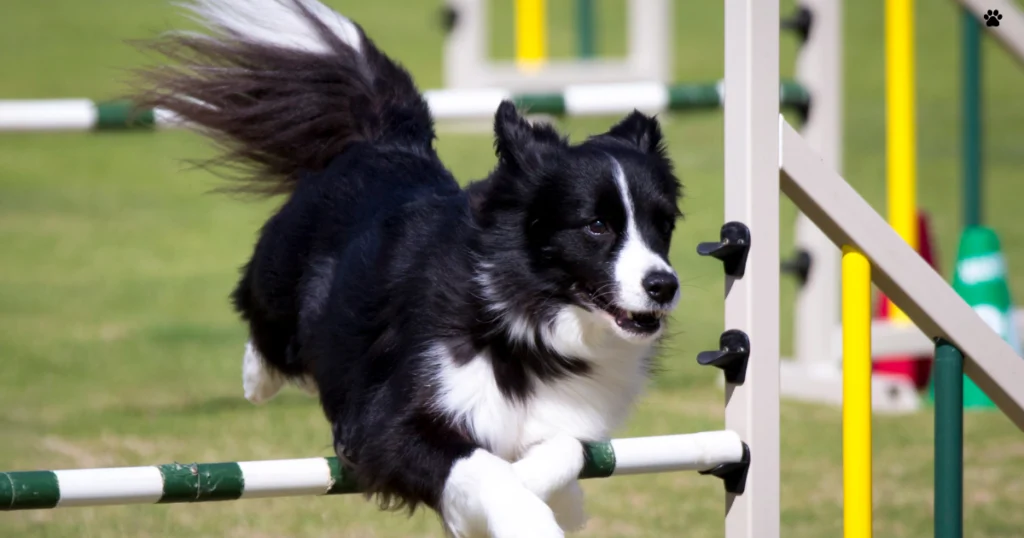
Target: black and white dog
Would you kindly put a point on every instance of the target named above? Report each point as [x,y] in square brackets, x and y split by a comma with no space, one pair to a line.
[462,342]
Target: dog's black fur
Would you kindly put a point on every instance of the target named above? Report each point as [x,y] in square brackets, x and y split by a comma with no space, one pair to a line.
[374,255]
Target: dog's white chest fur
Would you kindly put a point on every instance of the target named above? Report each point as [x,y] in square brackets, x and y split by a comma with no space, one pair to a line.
[587,407]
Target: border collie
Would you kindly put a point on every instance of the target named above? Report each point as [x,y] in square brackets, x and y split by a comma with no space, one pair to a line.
[463,342]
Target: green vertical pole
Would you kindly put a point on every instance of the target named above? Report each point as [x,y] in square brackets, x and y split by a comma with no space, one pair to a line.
[949,439]
[970,109]
[585,27]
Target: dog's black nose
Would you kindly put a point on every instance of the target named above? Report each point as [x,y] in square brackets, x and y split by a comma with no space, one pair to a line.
[661,286]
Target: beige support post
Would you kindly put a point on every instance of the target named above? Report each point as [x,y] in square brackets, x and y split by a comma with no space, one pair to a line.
[752,301]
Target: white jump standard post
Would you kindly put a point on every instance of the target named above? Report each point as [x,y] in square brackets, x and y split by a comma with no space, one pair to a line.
[749,250]
[816,313]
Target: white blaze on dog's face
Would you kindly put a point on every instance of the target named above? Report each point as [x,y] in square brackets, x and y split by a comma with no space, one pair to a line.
[645,282]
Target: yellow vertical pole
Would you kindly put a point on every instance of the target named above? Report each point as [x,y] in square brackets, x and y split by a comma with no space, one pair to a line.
[531,33]
[856,394]
[900,139]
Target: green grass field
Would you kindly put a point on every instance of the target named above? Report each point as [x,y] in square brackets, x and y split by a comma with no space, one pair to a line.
[118,346]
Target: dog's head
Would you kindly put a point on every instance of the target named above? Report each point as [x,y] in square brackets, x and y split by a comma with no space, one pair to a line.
[585,228]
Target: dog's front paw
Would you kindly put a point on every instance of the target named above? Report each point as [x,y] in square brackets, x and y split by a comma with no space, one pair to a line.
[525,516]
[550,465]
[258,382]
[501,513]
[483,496]
[568,507]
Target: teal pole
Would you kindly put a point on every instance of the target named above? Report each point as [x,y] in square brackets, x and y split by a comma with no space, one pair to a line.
[585,28]
[949,440]
[970,109]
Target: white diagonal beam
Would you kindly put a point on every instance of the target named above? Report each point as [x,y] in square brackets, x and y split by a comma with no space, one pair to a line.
[902,274]
[1010,31]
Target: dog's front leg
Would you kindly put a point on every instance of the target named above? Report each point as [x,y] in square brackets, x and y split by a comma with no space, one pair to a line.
[550,469]
[567,505]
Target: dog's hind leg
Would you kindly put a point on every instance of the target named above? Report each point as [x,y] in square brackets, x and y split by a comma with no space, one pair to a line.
[259,382]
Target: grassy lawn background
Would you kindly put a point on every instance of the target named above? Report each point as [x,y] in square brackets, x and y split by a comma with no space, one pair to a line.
[118,346]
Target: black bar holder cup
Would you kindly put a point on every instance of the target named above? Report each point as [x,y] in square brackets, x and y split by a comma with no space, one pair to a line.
[733,475]
[732,356]
[732,248]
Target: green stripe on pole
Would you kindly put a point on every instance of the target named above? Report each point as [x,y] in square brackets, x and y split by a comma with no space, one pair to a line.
[201,482]
[122,115]
[795,96]
[342,480]
[541,103]
[693,96]
[29,490]
[585,28]
[792,93]
[598,460]
[949,439]
[970,110]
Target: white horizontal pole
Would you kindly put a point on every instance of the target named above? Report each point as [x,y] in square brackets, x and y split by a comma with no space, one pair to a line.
[649,97]
[465,104]
[686,452]
[124,485]
[48,115]
[608,99]
[204,482]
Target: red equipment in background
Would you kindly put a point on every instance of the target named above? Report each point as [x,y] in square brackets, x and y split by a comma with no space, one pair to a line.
[917,369]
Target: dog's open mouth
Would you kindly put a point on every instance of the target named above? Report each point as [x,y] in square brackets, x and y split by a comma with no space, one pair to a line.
[641,323]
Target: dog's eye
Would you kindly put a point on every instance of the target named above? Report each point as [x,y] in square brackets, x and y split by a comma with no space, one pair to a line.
[597,227]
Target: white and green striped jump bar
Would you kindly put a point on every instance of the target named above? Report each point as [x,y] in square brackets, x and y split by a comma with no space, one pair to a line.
[461,104]
[207,482]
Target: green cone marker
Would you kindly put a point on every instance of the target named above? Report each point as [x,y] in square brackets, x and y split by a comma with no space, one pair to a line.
[980,279]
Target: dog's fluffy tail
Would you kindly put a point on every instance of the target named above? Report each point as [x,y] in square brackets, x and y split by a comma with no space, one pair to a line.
[283,86]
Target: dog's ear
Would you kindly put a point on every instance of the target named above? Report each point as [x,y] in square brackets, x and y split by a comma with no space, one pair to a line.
[519,144]
[640,131]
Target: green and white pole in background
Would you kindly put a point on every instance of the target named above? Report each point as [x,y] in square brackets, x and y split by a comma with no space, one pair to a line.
[613,99]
